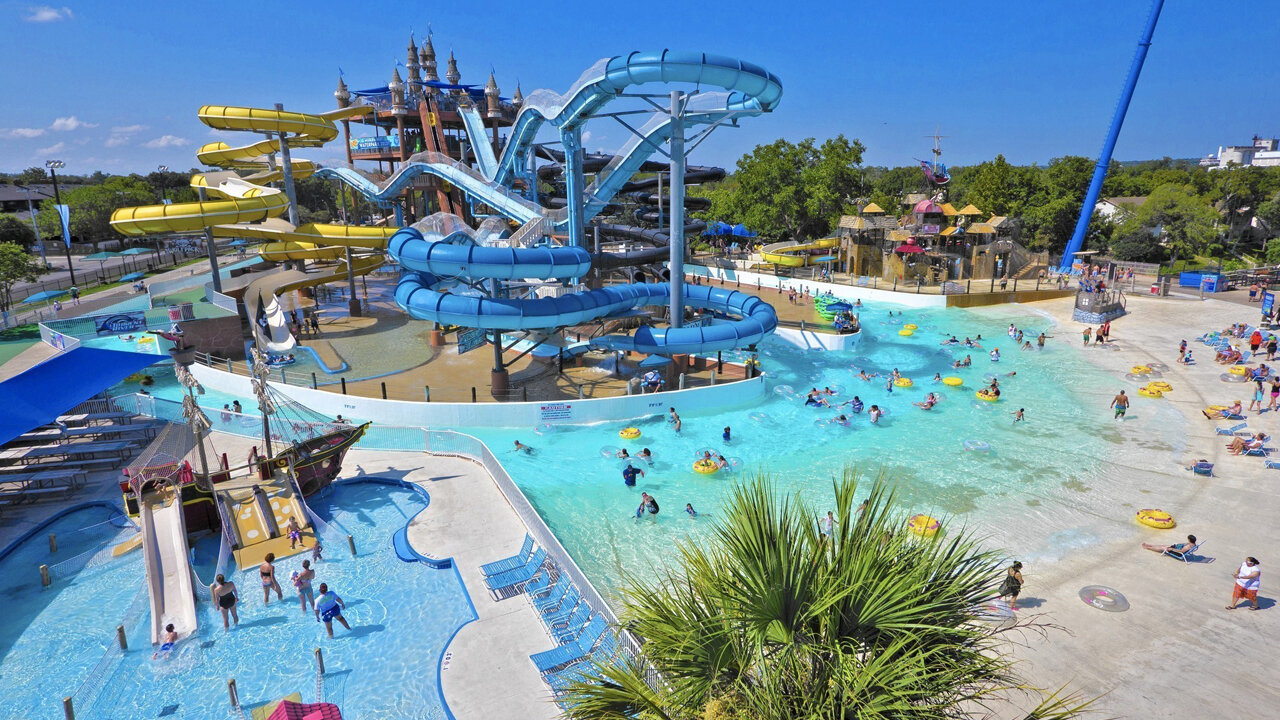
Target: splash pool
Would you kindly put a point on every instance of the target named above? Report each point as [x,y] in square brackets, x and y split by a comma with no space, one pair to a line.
[402,616]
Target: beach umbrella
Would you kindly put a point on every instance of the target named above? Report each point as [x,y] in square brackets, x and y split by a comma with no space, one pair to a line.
[44,296]
[102,258]
[909,247]
[133,276]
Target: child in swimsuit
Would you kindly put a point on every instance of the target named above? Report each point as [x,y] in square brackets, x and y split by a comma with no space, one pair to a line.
[170,637]
[295,533]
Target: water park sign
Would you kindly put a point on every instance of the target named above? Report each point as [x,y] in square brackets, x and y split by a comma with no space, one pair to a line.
[470,340]
[370,144]
[555,411]
[120,323]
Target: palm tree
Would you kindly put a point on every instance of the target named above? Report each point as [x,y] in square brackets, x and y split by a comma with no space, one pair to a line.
[773,619]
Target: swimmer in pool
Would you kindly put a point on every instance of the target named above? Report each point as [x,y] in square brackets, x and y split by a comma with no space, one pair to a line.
[950,341]
[647,503]
[721,462]
[1018,416]
[895,374]
[167,641]
[937,377]
[815,399]
[828,391]
[1040,340]
[675,418]
[966,362]
[995,355]
[855,405]
[857,303]
[622,453]
[521,447]
[646,456]
[875,413]
[862,375]
[888,384]
[688,508]
[841,420]
[929,401]
[629,475]
[727,434]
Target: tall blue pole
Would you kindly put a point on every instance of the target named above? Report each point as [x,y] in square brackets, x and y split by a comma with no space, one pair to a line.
[675,235]
[1104,159]
[574,184]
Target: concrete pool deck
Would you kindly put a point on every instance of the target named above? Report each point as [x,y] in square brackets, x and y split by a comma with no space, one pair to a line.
[1177,652]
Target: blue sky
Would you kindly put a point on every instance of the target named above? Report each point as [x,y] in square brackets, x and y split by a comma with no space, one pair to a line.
[115,85]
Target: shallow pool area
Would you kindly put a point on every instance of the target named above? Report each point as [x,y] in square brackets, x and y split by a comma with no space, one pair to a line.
[402,616]
[965,460]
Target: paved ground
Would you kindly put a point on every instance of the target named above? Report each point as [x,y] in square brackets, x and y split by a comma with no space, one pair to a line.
[1176,653]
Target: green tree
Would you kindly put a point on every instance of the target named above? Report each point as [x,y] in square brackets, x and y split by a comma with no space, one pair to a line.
[33,175]
[992,188]
[91,207]
[790,190]
[15,231]
[16,265]
[1273,251]
[768,618]
[1185,222]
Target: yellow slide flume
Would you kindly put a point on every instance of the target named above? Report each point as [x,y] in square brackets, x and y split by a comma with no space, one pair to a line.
[791,254]
[234,200]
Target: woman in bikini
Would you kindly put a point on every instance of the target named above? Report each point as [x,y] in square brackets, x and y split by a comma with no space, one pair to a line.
[267,572]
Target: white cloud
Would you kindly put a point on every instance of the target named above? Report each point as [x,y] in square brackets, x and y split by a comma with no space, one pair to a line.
[586,136]
[122,134]
[70,123]
[165,141]
[54,148]
[21,132]
[46,14]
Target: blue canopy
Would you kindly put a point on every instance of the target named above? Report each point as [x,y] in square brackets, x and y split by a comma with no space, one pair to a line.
[655,361]
[445,86]
[133,276]
[135,251]
[237,243]
[45,295]
[718,228]
[826,258]
[39,395]
[741,231]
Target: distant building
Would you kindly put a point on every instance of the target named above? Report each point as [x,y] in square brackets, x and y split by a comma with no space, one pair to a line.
[1116,208]
[1264,152]
[13,199]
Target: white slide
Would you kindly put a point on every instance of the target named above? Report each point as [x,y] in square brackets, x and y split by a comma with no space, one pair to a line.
[276,335]
[164,542]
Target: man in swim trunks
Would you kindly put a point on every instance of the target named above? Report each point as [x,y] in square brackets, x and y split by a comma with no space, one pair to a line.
[855,405]
[1019,416]
[521,447]
[267,573]
[1121,404]
[329,608]
[629,475]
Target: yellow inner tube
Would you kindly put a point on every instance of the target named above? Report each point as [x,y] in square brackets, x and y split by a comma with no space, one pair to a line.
[629,433]
[923,525]
[1156,519]
[145,340]
[984,395]
[906,333]
[952,381]
[903,382]
[910,326]
[705,467]
[1150,392]
[1239,370]
[1160,385]
[1139,369]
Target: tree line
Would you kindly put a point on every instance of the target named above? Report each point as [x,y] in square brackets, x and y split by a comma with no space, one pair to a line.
[788,190]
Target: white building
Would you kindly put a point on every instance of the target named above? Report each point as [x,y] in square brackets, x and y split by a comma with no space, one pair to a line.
[1264,152]
[1115,209]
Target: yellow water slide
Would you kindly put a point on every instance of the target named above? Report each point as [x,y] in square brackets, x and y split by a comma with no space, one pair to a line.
[233,201]
[792,254]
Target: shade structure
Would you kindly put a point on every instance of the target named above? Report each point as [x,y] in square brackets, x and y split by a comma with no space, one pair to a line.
[101,256]
[872,209]
[839,307]
[135,251]
[133,276]
[909,248]
[237,243]
[970,210]
[826,258]
[741,230]
[43,296]
[39,395]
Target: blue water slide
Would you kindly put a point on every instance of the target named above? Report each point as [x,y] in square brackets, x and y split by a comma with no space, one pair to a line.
[444,256]
[501,199]
[752,89]
[418,295]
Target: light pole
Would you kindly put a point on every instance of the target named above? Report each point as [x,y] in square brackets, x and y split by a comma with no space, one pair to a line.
[164,200]
[53,165]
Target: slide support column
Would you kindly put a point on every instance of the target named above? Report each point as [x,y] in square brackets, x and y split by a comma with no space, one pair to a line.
[286,167]
[676,234]
[574,183]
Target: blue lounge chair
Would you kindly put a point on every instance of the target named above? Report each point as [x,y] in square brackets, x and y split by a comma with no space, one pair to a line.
[555,597]
[1184,554]
[540,585]
[1233,429]
[573,651]
[520,575]
[511,563]
[1260,451]
[560,613]
[1273,464]
[568,629]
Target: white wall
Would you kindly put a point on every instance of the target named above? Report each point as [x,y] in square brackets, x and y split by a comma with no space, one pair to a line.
[492,414]
[810,340]
[850,292]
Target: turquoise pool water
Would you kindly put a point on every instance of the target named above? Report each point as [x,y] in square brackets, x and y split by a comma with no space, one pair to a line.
[51,637]
[1042,487]
[402,615]
[140,343]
